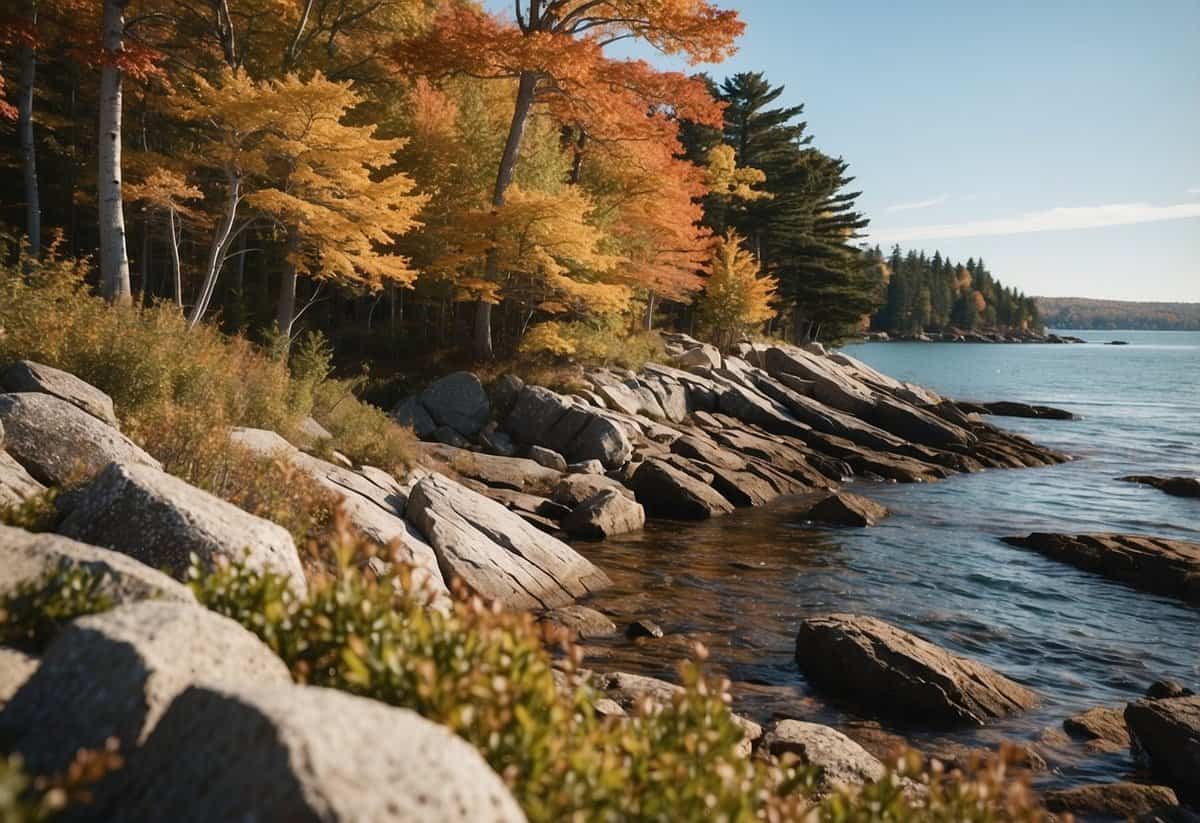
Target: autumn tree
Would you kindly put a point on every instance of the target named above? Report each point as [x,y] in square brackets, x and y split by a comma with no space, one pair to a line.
[553,52]
[736,297]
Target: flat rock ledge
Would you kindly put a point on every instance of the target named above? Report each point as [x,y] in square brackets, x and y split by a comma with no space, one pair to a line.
[888,671]
[842,761]
[1174,486]
[1111,801]
[845,509]
[27,376]
[1154,564]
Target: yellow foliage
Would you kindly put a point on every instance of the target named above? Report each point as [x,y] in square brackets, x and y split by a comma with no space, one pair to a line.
[725,179]
[736,298]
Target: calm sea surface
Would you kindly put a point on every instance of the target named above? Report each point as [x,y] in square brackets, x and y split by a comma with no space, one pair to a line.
[741,584]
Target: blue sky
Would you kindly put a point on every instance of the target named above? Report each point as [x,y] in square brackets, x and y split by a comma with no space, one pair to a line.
[1060,141]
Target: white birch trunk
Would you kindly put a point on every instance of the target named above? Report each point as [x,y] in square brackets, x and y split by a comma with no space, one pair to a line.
[114,261]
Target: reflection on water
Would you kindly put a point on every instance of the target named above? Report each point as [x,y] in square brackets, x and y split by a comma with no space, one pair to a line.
[741,584]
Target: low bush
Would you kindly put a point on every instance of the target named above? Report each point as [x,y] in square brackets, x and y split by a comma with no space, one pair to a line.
[486,674]
[179,390]
[606,341]
[32,612]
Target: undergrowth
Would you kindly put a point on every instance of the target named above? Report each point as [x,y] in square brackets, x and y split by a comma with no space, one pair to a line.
[179,391]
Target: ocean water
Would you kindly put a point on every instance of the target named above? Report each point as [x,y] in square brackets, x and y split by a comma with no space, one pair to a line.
[741,584]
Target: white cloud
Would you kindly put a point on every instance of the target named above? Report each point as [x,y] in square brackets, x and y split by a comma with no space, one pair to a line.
[1194,190]
[920,204]
[1058,219]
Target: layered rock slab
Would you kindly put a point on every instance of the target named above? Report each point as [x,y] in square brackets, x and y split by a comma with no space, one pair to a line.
[494,551]
[1153,564]
[1166,734]
[886,670]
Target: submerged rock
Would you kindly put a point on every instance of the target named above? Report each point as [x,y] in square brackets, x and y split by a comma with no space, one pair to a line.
[1007,408]
[1174,486]
[1114,801]
[162,521]
[583,622]
[846,509]
[57,442]
[114,675]
[1166,734]
[286,752]
[27,376]
[1154,564]
[889,671]
[1100,728]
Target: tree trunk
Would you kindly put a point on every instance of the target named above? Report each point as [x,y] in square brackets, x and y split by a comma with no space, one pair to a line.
[219,249]
[33,206]
[176,269]
[114,261]
[526,88]
[285,315]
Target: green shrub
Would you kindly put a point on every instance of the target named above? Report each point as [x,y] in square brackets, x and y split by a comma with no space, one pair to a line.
[20,800]
[32,613]
[36,514]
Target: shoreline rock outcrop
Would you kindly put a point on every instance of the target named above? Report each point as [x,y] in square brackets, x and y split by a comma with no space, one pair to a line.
[1154,564]
[886,670]
[1174,486]
[1166,735]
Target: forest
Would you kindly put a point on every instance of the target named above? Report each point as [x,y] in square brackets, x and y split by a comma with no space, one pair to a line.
[1085,313]
[936,294]
[394,171]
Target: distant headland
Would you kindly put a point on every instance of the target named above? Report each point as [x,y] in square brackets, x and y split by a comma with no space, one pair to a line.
[1086,313]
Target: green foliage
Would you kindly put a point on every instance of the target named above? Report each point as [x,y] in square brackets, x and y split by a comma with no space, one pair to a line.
[31,613]
[36,514]
[20,799]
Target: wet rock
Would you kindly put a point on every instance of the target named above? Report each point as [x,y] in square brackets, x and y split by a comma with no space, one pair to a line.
[16,484]
[235,752]
[27,376]
[586,467]
[1112,801]
[1101,728]
[666,491]
[583,622]
[161,521]
[579,432]
[1166,736]
[1008,408]
[548,458]
[496,552]
[409,412]
[1174,486]
[114,675]
[643,627]
[605,514]
[889,671]
[1154,564]
[842,761]
[26,557]
[458,401]
[1161,689]
[516,473]
[57,442]
[744,488]
[846,509]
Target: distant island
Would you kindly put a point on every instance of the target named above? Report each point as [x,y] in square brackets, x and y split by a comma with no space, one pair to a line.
[1086,313]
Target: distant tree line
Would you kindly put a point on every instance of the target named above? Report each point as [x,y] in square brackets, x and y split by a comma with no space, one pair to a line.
[1085,313]
[933,294]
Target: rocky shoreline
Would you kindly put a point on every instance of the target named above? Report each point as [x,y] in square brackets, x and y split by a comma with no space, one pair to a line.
[958,336]
[509,473]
